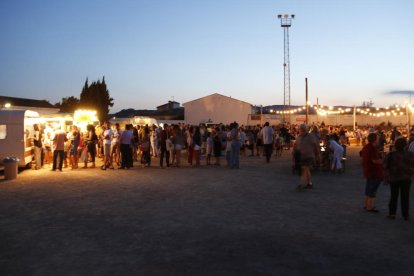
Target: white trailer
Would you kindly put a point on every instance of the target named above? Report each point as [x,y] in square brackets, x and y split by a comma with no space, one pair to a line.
[16,135]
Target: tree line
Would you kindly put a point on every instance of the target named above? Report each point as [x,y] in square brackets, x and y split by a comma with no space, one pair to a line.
[94,96]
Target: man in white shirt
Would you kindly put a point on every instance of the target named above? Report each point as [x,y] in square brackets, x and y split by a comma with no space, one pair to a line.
[59,148]
[267,134]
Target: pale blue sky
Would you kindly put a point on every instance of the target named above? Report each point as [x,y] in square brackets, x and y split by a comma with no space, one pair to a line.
[150,51]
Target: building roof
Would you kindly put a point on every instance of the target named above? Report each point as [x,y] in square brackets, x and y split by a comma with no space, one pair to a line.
[217,94]
[25,102]
[169,102]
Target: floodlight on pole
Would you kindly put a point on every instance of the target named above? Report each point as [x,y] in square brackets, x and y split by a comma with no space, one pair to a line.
[286,23]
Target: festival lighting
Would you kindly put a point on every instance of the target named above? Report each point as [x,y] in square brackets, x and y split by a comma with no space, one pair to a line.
[82,118]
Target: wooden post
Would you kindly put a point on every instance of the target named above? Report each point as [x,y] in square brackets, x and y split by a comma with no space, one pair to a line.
[354,117]
[307,105]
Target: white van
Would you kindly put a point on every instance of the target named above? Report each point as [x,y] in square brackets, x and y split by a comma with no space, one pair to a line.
[16,135]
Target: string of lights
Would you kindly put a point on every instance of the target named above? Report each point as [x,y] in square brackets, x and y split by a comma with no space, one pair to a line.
[395,110]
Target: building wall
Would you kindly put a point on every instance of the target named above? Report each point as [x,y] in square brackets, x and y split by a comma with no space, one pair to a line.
[340,119]
[217,109]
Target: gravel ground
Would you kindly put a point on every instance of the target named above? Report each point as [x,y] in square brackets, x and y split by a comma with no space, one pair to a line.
[198,221]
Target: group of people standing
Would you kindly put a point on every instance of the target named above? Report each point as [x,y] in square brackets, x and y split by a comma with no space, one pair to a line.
[395,169]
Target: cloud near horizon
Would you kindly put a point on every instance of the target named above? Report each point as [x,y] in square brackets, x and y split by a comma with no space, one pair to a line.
[400,92]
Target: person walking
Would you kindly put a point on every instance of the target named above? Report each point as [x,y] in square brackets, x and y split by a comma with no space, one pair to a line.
[373,172]
[267,136]
[398,170]
[308,149]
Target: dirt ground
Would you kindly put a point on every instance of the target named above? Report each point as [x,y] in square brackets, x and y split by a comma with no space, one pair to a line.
[199,221]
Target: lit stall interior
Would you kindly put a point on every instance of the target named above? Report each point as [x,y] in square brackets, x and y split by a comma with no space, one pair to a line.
[82,118]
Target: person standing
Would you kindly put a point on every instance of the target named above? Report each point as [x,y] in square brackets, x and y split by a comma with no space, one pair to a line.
[308,149]
[209,148]
[37,141]
[47,148]
[74,138]
[127,139]
[116,147]
[190,144]
[398,169]
[59,149]
[154,141]
[259,140]
[107,140]
[235,147]
[395,134]
[228,144]
[146,147]
[267,136]
[337,151]
[197,145]
[216,146]
[178,142]
[90,142]
[250,140]
[163,147]
[242,141]
[373,172]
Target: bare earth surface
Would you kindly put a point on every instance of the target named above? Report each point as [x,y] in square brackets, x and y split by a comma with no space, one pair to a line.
[199,221]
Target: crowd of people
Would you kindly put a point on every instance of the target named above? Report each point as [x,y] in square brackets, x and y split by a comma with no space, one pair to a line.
[121,148]
[315,146]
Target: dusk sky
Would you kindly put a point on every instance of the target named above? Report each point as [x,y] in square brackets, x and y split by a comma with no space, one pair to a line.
[153,51]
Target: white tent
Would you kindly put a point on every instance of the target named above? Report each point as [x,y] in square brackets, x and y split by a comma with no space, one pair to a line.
[217,108]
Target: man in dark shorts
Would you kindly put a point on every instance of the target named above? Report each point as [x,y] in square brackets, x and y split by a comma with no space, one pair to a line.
[373,171]
[308,149]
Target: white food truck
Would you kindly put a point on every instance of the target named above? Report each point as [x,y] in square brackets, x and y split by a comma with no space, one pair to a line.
[16,135]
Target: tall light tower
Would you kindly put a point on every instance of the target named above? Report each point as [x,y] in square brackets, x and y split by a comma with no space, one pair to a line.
[285,23]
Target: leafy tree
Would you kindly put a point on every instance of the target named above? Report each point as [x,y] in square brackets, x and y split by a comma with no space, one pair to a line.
[96,97]
[68,104]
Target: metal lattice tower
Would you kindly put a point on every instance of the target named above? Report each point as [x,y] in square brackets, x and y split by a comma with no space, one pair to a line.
[285,23]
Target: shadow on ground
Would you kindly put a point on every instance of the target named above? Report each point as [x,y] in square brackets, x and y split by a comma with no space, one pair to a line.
[198,221]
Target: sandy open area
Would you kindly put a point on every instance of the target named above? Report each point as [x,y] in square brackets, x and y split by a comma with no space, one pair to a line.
[199,221]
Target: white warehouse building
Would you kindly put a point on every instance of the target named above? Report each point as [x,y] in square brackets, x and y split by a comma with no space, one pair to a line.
[217,108]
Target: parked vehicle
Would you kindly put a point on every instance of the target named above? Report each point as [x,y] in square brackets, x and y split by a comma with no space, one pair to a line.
[16,135]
